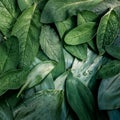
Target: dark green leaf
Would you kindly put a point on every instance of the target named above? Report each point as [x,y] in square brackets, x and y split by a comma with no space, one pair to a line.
[9,52]
[114,51]
[107,30]
[58,10]
[109,92]
[5,111]
[81,34]
[80,99]
[27,29]
[12,80]
[110,69]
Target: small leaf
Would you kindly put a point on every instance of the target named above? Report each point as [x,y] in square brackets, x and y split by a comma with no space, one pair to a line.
[79,51]
[107,30]
[81,34]
[50,43]
[59,10]
[65,26]
[24,4]
[27,30]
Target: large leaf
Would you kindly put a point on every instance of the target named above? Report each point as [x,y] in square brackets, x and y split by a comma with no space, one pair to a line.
[12,80]
[86,70]
[27,29]
[9,53]
[107,30]
[110,69]
[58,10]
[109,92]
[8,14]
[45,105]
[81,34]
[50,43]
[37,74]
[80,99]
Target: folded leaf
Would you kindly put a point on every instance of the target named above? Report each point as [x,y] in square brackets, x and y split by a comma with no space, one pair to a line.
[9,53]
[27,30]
[107,30]
[81,34]
[58,10]
[80,99]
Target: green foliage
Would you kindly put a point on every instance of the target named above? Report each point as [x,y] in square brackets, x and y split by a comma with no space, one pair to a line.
[59,59]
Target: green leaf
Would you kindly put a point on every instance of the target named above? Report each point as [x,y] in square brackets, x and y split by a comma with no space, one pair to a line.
[50,43]
[59,10]
[5,111]
[46,84]
[27,30]
[37,74]
[12,80]
[86,70]
[65,26]
[49,107]
[24,4]
[68,59]
[80,99]
[9,53]
[81,34]
[114,51]
[8,13]
[107,30]
[108,93]
[79,51]
[110,69]
[60,81]
[86,16]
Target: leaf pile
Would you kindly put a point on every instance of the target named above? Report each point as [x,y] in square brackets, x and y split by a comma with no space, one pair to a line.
[59,59]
